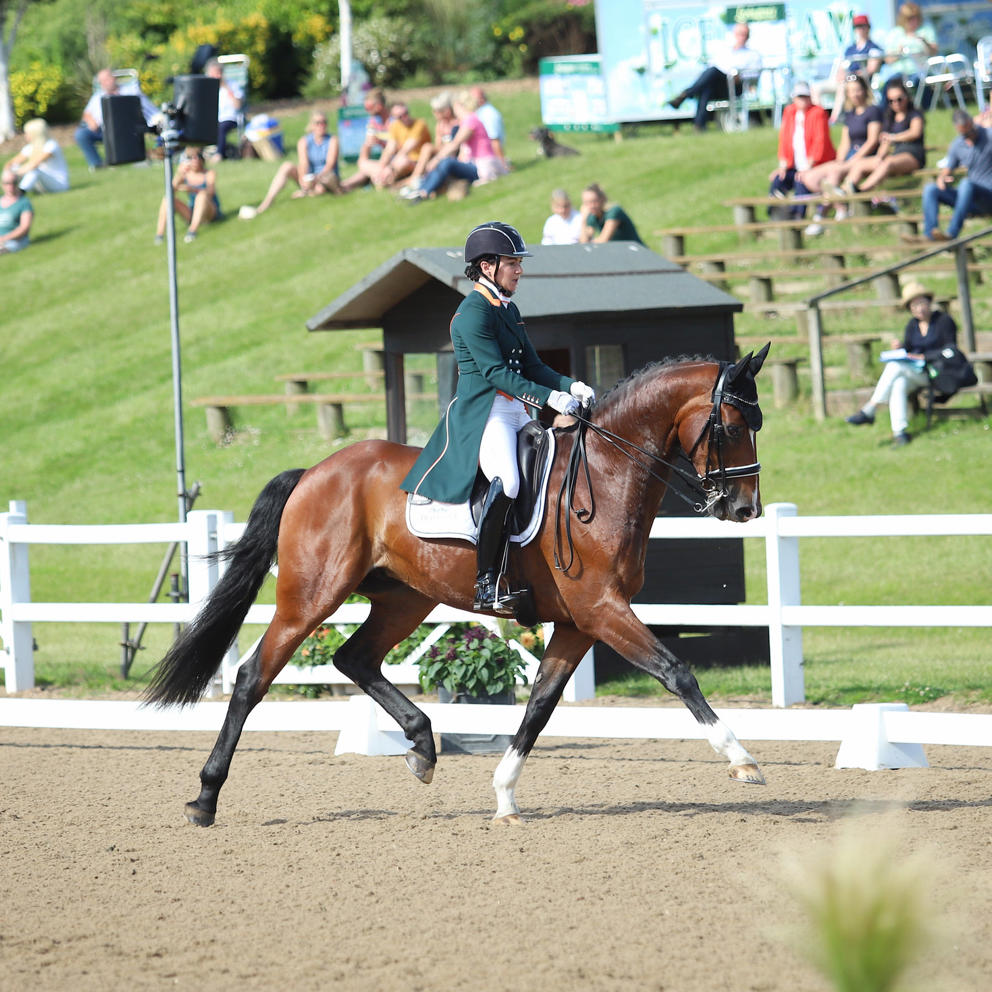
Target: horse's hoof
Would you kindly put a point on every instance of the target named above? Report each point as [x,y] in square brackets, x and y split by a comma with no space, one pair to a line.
[510,820]
[197,816]
[420,766]
[747,773]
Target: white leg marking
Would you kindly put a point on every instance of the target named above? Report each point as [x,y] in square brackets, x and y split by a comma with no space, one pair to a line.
[724,742]
[505,780]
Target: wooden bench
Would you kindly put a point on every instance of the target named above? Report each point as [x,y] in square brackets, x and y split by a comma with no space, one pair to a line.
[790,231]
[330,409]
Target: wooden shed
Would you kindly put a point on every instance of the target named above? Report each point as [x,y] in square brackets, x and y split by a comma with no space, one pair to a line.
[596,312]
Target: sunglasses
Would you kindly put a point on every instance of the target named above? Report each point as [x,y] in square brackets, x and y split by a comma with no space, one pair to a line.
[896,99]
[853,77]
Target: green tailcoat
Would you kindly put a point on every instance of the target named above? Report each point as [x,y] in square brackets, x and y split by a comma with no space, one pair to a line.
[494,355]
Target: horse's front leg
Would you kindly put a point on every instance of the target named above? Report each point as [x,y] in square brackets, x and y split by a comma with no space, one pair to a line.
[562,656]
[621,630]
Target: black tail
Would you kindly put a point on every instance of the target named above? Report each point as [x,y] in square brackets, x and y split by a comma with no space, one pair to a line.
[184,673]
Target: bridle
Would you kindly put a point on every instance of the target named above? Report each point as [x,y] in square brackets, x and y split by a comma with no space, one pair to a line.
[703,490]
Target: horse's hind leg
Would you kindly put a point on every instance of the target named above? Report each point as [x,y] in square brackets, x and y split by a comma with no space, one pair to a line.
[396,612]
[561,658]
[621,630]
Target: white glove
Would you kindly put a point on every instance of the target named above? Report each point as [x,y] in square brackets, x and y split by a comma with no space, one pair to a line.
[562,402]
[586,395]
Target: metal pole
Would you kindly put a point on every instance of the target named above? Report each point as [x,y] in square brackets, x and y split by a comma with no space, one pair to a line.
[170,137]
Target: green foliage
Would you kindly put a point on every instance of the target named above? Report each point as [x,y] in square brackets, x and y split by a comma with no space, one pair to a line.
[469,659]
[38,90]
[529,30]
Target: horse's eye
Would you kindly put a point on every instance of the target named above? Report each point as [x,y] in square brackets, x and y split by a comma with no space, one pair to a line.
[735,432]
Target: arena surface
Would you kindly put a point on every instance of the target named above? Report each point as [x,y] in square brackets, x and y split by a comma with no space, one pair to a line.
[641,866]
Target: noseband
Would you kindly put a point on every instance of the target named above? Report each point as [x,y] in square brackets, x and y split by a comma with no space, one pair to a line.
[704,490]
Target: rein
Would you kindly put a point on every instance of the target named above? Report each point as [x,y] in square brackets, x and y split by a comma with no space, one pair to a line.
[703,488]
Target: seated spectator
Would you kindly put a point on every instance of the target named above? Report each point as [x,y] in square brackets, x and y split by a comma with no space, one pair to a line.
[803,144]
[16,215]
[604,223]
[408,139]
[40,165]
[972,149]
[376,139]
[564,226]
[901,150]
[445,126]
[90,131]
[492,121]
[230,97]
[908,46]
[927,333]
[858,140]
[315,170]
[469,155]
[201,205]
[711,84]
[862,57]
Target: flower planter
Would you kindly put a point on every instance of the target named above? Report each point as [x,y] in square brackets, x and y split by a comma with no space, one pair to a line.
[476,743]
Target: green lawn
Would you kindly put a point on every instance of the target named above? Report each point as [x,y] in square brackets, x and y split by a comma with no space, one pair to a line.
[86,404]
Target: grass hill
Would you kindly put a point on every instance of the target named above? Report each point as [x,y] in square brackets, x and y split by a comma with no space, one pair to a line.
[86,404]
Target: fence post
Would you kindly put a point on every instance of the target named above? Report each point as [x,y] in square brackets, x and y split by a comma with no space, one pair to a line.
[15,587]
[785,643]
[202,539]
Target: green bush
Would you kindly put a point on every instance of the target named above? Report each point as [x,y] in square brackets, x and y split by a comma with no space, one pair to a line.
[40,91]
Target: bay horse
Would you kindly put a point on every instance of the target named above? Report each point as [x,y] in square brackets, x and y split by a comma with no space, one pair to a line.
[339,528]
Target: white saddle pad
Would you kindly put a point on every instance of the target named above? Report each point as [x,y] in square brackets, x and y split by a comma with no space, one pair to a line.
[431,518]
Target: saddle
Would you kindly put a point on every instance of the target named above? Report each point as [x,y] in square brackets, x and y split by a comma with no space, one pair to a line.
[533,451]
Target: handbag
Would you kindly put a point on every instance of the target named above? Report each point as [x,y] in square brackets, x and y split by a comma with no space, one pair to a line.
[949,371]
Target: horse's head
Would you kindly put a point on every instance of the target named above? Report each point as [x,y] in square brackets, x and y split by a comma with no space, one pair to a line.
[717,432]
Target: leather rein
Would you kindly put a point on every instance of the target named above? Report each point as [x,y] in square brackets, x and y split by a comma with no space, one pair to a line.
[704,490]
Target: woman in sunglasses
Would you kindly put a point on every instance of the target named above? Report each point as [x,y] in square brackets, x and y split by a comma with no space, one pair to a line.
[900,145]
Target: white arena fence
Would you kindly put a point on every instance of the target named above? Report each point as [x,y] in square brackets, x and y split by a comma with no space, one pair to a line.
[358,720]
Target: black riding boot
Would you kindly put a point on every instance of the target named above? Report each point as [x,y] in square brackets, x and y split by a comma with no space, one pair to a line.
[490,548]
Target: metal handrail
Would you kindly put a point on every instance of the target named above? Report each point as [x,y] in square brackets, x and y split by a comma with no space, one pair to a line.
[814,322]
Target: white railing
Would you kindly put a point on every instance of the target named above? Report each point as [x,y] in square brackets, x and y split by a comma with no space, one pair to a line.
[783,613]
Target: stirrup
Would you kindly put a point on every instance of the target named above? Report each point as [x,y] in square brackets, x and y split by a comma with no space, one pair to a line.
[488,598]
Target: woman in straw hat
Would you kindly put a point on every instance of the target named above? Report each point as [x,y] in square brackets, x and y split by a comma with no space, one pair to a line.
[927,332]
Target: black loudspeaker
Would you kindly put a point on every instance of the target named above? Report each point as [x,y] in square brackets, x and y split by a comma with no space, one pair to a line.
[196,106]
[123,129]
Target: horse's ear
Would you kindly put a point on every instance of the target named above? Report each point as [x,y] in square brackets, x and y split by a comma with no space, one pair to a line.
[740,368]
[758,360]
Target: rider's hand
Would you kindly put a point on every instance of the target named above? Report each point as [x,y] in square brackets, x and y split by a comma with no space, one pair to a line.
[583,393]
[562,402]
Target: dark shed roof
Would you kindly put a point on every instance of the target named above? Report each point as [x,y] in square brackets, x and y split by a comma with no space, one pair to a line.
[560,279]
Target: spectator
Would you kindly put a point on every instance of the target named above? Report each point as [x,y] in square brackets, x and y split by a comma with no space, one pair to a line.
[230,98]
[862,57]
[16,215]
[712,82]
[315,170]
[604,223]
[908,46]
[803,143]
[564,226]
[200,186]
[859,139]
[376,139]
[469,155]
[972,149]
[90,131]
[40,165]
[445,127]
[492,121]
[900,144]
[408,139]
[927,333]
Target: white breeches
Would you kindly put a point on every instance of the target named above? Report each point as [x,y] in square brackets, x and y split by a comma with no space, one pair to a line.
[895,383]
[498,451]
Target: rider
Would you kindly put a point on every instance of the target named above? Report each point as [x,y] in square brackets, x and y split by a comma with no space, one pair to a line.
[502,383]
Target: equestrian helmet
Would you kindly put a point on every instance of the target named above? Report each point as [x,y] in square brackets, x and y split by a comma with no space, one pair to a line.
[494,238]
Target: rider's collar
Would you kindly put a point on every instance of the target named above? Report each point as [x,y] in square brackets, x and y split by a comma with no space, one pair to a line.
[489,289]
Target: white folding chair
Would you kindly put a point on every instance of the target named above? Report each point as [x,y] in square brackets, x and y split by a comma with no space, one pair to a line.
[943,74]
[234,69]
[983,69]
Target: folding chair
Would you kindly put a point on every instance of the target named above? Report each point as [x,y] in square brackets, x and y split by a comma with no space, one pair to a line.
[234,69]
[944,73]
[983,69]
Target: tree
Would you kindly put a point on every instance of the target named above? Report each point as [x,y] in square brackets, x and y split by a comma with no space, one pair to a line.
[11,12]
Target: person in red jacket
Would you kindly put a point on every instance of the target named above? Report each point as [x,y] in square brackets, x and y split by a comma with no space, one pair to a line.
[803,142]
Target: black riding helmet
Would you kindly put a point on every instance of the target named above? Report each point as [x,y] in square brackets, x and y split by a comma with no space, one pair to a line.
[494,238]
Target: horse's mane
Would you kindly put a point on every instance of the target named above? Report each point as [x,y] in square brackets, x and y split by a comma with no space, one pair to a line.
[615,402]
